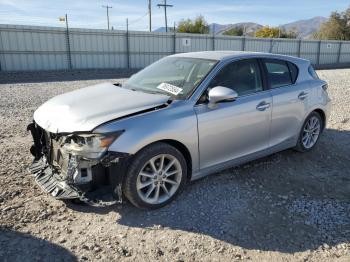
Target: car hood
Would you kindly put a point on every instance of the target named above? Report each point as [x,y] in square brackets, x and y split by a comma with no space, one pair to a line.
[86,108]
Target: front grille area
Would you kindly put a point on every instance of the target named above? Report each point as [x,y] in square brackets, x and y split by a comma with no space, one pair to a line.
[47,144]
[66,176]
[56,155]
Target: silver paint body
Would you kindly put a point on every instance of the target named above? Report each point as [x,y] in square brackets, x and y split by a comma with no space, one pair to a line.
[228,134]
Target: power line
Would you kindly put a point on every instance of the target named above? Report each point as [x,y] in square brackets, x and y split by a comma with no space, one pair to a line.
[165,5]
[137,19]
[107,8]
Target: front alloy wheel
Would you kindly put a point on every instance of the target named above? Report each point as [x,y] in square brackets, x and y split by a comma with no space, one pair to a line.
[159,179]
[155,176]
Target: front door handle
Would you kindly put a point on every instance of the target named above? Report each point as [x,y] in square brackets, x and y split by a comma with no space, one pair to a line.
[302,95]
[262,106]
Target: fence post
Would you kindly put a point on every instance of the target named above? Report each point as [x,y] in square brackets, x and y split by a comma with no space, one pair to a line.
[174,46]
[127,45]
[339,52]
[69,56]
[213,37]
[299,48]
[213,42]
[243,43]
[318,52]
[271,45]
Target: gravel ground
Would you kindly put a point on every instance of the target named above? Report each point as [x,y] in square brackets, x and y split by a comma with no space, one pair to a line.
[285,207]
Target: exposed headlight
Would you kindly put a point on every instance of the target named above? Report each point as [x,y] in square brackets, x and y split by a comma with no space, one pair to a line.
[89,145]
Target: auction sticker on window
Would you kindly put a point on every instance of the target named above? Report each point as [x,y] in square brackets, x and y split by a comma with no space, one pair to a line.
[170,88]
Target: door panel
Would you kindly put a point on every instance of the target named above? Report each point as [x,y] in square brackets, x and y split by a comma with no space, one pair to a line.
[288,111]
[289,101]
[233,129]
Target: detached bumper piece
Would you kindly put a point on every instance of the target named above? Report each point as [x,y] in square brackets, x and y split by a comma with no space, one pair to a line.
[49,182]
[46,180]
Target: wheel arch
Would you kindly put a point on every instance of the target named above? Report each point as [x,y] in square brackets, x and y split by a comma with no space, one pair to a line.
[183,150]
[321,111]
[323,116]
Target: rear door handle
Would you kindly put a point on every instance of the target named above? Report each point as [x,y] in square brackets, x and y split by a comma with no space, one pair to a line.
[262,106]
[302,95]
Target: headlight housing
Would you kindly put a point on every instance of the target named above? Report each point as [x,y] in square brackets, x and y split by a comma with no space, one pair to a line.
[89,145]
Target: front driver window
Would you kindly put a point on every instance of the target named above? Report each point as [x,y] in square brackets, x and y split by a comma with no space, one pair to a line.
[242,76]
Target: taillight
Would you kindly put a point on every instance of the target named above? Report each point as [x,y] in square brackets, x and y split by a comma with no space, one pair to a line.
[325,87]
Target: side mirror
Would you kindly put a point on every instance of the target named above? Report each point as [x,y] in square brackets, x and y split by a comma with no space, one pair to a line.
[221,94]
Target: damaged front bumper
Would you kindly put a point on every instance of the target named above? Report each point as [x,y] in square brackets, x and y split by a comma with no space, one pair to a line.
[67,176]
[45,178]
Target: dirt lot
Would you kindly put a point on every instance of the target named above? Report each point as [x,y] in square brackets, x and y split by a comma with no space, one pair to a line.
[286,207]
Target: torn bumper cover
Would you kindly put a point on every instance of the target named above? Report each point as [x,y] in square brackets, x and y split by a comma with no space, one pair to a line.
[68,176]
[45,178]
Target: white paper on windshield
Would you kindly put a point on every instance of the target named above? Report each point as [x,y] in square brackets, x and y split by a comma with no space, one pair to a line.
[170,88]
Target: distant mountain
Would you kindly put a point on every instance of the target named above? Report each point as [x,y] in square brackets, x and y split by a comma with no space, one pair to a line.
[218,27]
[162,29]
[305,28]
[249,27]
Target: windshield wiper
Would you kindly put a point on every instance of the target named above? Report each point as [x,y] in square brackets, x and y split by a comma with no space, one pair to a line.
[147,91]
[154,92]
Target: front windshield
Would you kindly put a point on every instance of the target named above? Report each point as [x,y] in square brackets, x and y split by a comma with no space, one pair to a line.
[174,76]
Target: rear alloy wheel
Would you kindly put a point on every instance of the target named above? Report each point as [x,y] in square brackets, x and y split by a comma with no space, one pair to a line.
[155,176]
[310,132]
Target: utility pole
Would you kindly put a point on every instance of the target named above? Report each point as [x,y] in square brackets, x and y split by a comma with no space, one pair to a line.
[65,19]
[107,8]
[150,14]
[165,5]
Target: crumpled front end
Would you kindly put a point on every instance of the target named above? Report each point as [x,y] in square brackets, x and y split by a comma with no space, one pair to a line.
[77,166]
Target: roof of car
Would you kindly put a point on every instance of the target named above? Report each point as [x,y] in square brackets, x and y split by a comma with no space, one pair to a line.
[223,55]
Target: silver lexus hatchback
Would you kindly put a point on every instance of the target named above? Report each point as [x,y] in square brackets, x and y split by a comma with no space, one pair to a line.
[179,119]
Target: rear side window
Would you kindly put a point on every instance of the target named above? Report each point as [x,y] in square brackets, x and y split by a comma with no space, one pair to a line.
[277,73]
[313,73]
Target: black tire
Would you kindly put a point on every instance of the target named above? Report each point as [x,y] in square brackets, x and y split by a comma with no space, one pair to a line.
[138,162]
[300,146]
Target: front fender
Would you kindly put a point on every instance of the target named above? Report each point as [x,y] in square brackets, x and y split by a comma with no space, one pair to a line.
[176,122]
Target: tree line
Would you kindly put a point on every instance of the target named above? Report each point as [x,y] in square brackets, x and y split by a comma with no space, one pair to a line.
[200,26]
[337,27]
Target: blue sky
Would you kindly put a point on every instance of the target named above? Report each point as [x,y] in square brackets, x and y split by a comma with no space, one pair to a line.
[90,14]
